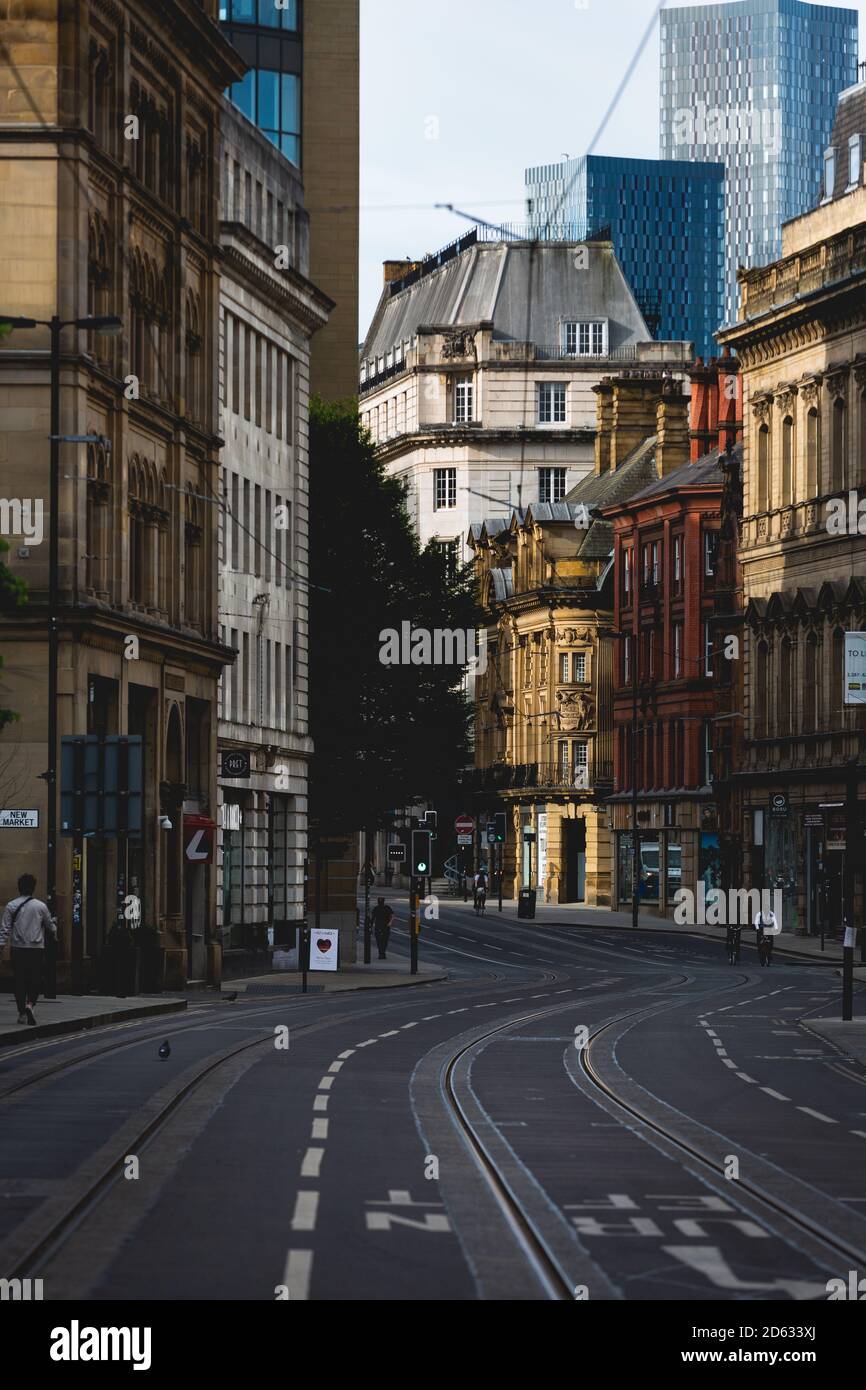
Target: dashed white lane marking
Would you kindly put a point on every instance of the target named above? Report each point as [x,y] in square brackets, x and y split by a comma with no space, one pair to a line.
[743,1077]
[859,1132]
[392,1034]
[816,1115]
[711,1034]
[312,1164]
[368,1043]
[299,1267]
[485,1006]
[409,1025]
[320,1129]
[768,1091]
[726,1061]
[306,1211]
[336,1066]
[721,1052]
[459,1011]
[427,1017]
[321,1103]
[326,1083]
[350,1052]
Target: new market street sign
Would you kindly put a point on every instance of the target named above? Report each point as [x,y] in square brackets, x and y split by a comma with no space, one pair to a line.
[19,820]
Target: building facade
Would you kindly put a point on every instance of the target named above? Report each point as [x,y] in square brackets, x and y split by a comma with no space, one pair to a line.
[478,370]
[269,312]
[802,344]
[666,223]
[302,88]
[753,85]
[109,184]
[670,665]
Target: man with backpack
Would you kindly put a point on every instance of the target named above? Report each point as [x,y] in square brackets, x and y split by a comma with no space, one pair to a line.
[766,926]
[27,920]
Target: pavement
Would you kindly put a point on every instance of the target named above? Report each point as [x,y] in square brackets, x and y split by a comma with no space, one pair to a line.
[73,1013]
[381,974]
[850,1037]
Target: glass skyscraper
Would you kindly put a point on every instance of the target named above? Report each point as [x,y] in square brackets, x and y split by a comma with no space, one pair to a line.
[267,34]
[666,224]
[754,84]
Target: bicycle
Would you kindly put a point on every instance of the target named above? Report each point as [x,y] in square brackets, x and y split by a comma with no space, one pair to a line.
[733,945]
[480,901]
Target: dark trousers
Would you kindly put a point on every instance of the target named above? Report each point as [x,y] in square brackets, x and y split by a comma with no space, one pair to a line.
[27,965]
[382,935]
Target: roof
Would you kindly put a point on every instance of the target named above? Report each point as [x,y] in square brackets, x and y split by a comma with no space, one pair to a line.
[704,472]
[525,289]
[850,120]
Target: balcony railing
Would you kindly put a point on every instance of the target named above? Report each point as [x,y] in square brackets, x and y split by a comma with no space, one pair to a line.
[836,259]
[502,777]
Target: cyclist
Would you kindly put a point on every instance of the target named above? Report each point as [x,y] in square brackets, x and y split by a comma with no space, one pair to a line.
[480,890]
[734,936]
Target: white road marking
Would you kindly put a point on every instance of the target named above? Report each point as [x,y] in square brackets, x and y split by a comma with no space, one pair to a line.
[816,1114]
[299,1267]
[306,1211]
[321,1102]
[743,1077]
[350,1052]
[768,1091]
[726,1061]
[410,1025]
[336,1066]
[859,1132]
[312,1164]
[326,1083]
[721,1051]
[392,1034]
[320,1129]
[368,1043]
[427,1017]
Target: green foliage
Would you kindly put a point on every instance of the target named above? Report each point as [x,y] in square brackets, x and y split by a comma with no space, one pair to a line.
[13,593]
[384,736]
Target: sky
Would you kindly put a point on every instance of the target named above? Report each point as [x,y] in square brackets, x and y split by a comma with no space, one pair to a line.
[458,97]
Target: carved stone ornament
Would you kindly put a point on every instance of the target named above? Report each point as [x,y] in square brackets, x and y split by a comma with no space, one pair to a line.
[860,376]
[761,409]
[577,711]
[570,636]
[461,344]
[785,399]
[837,383]
[810,392]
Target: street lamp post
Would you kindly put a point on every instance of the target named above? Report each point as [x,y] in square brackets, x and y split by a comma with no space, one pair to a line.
[55,325]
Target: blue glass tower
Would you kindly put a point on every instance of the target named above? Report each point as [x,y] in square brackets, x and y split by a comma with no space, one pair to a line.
[666,224]
[755,84]
[267,34]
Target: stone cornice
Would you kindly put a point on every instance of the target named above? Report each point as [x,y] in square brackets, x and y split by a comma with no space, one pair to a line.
[309,305]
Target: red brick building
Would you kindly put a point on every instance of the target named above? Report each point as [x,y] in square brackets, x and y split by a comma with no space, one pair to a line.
[672,675]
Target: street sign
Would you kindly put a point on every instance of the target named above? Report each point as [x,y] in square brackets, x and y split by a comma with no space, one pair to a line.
[491,832]
[324,949]
[198,839]
[813,822]
[464,825]
[19,820]
[855,668]
[465,839]
[235,763]
[397,853]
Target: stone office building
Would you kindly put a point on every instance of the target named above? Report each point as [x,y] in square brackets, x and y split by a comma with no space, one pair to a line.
[98,224]
[269,313]
[801,340]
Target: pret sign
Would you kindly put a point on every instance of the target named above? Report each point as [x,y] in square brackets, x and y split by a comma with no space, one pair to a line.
[235,763]
[324,949]
[19,820]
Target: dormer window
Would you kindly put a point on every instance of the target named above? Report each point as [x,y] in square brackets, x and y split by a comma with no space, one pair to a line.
[584,338]
[855,160]
[829,173]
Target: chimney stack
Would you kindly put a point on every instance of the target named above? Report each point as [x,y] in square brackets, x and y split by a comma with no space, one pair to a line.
[716,415]
[395,270]
[672,427]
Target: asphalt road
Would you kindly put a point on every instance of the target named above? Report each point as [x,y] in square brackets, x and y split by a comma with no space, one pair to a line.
[575,1113]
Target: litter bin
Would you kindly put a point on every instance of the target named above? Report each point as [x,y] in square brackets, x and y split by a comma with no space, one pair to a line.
[526,903]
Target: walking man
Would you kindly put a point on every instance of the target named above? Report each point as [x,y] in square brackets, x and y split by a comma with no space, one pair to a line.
[381,918]
[27,920]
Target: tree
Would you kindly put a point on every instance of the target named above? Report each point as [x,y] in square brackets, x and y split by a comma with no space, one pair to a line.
[385,735]
[13,593]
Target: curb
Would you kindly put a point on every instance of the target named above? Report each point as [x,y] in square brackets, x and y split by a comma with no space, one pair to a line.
[87,1025]
[324,993]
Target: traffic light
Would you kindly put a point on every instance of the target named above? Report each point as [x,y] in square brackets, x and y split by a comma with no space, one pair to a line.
[431,821]
[500,821]
[421,861]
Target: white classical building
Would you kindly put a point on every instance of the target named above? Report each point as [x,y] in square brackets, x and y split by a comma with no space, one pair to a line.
[269,311]
[477,374]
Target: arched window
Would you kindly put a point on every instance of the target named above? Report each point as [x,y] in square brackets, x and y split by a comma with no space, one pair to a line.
[194,407]
[810,684]
[787,461]
[137,556]
[762,492]
[838,446]
[761,690]
[785,687]
[813,453]
[194,607]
